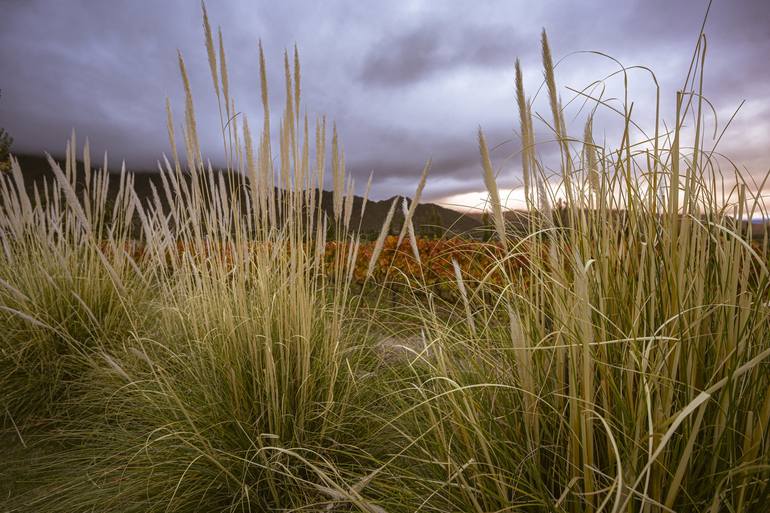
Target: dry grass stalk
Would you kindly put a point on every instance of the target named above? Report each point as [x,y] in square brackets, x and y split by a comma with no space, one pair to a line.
[381,238]
[415,202]
[494,194]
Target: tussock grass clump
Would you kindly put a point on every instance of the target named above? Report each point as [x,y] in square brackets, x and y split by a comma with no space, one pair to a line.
[613,358]
[245,406]
[57,315]
[232,388]
[632,374]
[61,301]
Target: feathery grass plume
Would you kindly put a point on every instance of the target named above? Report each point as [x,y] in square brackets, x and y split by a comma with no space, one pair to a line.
[253,175]
[230,111]
[235,142]
[415,201]
[338,175]
[290,107]
[209,40]
[381,238]
[410,230]
[224,75]
[342,165]
[494,194]
[171,136]
[65,185]
[191,132]
[27,210]
[87,192]
[555,104]
[211,53]
[263,88]
[589,150]
[367,190]
[116,367]
[550,81]
[348,203]
[284,159]
[464,295]
[297,77]
[267,185]
[70,159]
[267,181]
[544,200]
[307,176]
[531,145]
[87,166]
[320,168]
[264,153]
[526,150]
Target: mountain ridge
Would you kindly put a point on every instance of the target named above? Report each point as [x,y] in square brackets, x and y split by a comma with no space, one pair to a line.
[429,219]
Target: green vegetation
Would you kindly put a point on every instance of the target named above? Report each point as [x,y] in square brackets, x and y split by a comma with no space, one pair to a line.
[5,149]
[228,366]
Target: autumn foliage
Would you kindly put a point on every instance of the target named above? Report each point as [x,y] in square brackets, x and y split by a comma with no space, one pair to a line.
[397,264]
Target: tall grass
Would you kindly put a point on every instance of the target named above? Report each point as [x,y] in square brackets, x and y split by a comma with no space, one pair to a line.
[631,375]
[213,369]
[193,353]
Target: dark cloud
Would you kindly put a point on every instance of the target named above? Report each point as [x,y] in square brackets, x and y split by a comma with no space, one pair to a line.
[404,59]
[433,47]
[405,81]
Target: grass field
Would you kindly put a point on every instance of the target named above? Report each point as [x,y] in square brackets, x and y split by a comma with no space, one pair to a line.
[615,359]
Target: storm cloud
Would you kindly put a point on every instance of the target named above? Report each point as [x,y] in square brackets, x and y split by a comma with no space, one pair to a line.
[404,81]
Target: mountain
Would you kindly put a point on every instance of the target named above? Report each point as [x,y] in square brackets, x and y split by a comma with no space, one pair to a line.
[517,222]
[429,219]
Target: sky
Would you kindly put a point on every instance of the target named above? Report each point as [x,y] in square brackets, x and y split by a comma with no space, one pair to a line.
[405,81]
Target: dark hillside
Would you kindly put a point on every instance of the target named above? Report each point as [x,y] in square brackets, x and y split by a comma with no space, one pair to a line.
[429,219]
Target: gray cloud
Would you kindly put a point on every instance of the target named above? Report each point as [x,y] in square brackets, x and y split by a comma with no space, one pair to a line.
[404,81]
[401,59]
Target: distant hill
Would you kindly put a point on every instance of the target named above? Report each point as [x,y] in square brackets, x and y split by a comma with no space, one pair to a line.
[516,223]
[429,219]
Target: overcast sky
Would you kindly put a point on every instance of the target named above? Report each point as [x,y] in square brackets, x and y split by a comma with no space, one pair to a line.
[404,80]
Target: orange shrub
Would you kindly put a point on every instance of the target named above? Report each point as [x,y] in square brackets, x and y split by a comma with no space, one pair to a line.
[396,264]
